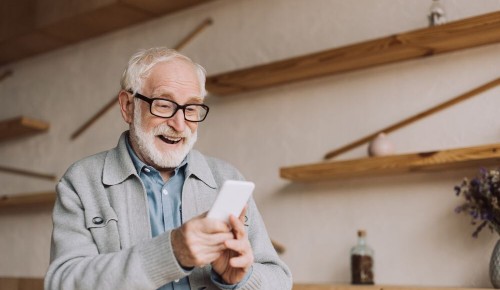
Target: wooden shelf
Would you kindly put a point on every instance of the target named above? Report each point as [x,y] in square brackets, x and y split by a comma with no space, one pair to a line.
[20,127]
[372,287]
[23,200]
[21,283]
[486,155]
[466,33]
[297,286]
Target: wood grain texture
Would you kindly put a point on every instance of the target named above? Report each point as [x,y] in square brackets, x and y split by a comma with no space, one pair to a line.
[159,7]
[372,287]
[27,199]
[19,283]
[467,33]
[28,31]
[486,155]
[27,173]
[95,22]
[21,127]
[10,283]
[334,287]
[5,74]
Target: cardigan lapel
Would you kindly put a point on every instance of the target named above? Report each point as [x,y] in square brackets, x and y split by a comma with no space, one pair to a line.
[118,165]
[126,194]
[197,165]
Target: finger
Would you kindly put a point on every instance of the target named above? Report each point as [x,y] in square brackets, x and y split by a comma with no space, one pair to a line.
[207,258]
[217,239]
[217,225]
[213,249]
[238,227]
[243,262]
[240,246]
[243,214]
[212,226]
[206,254]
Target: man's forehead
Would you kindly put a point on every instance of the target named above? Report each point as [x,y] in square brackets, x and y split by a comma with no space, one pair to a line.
[174,65]
[175,74]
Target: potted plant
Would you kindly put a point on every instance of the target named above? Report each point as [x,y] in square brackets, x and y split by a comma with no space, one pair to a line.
[482,197]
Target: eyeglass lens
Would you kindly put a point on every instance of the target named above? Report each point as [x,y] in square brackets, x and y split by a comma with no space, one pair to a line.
[166,109]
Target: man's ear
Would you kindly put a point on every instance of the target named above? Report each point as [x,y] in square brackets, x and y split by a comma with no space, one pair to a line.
[126,101]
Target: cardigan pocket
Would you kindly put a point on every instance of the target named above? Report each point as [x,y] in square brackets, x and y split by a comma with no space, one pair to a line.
[103,225]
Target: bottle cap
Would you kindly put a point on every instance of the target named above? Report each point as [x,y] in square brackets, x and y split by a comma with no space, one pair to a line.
[361,233]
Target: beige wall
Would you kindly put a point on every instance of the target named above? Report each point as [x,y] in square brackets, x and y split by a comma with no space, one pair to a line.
[410,221]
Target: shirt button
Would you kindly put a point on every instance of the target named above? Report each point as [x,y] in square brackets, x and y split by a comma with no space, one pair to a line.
[147,169]
[97,220]
[176,281]
[165,192]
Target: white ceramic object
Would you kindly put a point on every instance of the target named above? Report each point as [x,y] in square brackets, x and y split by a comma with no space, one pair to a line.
[381,146]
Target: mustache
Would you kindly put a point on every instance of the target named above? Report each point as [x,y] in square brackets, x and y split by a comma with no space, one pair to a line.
[164,129]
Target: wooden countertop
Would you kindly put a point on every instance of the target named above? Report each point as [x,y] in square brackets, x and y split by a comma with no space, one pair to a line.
[23,283]
[372,287]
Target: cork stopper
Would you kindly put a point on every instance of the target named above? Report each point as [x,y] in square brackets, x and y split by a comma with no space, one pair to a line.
[361,233]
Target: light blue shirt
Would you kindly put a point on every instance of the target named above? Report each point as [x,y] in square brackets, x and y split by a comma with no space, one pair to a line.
[165,210]
[165,200]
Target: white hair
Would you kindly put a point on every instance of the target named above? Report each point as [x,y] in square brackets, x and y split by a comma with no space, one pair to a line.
[141,63]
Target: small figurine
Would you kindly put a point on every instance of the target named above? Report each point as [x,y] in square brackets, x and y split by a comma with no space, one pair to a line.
[437,15]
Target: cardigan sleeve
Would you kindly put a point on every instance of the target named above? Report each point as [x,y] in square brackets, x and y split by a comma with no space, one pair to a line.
[77,260]
[268,270]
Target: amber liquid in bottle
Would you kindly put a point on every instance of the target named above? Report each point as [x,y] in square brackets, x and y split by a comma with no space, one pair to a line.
[362,262]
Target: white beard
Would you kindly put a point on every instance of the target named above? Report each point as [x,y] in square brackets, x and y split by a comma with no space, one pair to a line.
[145,141]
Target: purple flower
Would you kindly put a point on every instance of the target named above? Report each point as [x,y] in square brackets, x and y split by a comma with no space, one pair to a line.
[481,196]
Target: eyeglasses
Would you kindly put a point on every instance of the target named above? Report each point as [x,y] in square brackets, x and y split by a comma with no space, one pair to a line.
[164,108]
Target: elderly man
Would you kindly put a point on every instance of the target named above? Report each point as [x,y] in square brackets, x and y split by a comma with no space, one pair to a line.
[134,217]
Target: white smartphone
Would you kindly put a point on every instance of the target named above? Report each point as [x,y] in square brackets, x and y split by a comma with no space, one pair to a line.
[231,199]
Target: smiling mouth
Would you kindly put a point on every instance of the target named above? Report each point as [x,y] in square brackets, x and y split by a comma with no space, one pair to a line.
[169,140]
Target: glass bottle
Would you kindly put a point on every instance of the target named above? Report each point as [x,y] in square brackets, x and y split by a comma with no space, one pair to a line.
[362,261]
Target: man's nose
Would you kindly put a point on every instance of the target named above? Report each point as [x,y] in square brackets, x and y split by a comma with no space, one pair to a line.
[177,121]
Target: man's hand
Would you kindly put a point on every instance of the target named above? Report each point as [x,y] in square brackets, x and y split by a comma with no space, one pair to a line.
[237,258]
[200,241]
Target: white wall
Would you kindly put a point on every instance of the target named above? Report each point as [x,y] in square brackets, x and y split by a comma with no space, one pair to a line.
[417,237]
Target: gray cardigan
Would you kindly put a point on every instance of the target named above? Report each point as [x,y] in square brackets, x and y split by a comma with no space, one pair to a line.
[102,236]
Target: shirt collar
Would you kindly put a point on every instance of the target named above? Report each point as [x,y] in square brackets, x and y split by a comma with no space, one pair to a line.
[118,165]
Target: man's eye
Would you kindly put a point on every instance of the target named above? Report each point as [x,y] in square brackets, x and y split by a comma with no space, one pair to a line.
[164,105]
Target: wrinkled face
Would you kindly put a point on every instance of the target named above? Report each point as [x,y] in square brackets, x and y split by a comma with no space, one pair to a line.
[160,142]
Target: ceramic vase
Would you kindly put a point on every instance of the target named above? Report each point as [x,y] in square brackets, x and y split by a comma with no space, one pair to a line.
[495,266]
[381,146]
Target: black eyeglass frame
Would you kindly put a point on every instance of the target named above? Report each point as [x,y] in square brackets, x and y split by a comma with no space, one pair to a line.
[177,108]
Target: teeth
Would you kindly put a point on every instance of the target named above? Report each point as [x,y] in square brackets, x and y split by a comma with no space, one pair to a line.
[172,139]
